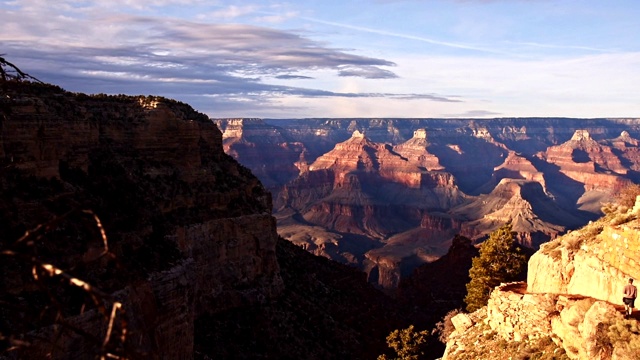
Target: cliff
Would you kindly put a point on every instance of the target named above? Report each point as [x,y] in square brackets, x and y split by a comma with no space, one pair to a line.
[188,231]
[265,149]
[571,304]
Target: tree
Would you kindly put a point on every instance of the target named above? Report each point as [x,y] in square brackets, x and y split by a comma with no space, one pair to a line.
[500,260]
[407,343]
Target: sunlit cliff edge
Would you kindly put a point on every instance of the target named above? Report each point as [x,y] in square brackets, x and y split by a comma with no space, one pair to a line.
[570,306]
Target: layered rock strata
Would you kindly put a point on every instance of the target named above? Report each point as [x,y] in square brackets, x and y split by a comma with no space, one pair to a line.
[189,230]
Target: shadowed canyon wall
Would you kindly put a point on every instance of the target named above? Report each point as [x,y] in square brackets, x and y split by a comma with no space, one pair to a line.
[189,230]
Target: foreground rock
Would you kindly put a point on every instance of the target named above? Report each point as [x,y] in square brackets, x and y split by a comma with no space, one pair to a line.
[188,229]
[571,304]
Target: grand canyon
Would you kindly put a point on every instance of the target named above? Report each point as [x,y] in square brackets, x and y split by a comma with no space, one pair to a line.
[129,230]
[387,195]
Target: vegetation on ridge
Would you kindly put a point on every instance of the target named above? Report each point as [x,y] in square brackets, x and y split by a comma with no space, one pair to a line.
[500,261]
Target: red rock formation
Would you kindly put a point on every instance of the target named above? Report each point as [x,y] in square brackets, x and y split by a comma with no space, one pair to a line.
[365,188]
[515,166]
[581,156]
[626,148]
[415,150]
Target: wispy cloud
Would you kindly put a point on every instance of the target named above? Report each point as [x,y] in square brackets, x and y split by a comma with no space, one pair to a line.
[408,36]
[289,77]
[474,114]
[232,63]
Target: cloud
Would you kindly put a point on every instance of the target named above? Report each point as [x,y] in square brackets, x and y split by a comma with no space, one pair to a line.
[115,53]
[430,97]
[289,77]
[233,11]
[474,114]
[368,72]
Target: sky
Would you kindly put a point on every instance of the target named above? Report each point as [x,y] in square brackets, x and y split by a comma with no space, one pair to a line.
[342,58]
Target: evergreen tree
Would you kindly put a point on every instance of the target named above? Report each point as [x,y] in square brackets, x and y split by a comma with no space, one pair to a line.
[500,260]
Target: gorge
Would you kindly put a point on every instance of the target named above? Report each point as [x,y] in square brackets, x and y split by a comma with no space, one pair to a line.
[136,197]
[387,195]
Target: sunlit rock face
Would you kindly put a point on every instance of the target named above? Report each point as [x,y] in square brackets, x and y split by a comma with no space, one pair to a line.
[189,229]
[578,326]
[573,295]
[585,160]
[367,189]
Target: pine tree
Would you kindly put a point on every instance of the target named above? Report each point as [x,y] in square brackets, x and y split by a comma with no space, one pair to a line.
[500,260]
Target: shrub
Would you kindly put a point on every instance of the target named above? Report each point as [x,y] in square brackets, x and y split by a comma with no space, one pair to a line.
[407,343]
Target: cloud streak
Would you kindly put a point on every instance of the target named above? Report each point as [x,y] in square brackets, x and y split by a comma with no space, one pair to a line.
[122,52]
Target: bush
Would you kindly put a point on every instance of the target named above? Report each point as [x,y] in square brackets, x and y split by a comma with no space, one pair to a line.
[407,343]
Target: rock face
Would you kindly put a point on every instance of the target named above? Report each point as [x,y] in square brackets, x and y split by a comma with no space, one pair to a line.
[577,325]
[189,230]
[364,188]
[584,163]
[573,296]
[597,266]
[264,149]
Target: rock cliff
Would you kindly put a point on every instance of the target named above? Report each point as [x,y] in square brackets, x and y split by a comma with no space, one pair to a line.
[189,231]
[263,148]
[571,303]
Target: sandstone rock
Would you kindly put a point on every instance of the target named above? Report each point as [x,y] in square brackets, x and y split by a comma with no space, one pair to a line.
[462,322]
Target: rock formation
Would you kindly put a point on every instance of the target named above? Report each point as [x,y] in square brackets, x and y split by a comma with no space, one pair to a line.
[572,298]
[589,164]
[364,188]
[416,151]
[189,230]
[263,149]
[410,185]
[534,216]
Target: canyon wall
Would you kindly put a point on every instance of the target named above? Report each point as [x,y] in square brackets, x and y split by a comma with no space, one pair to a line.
[410,185]
[188,230]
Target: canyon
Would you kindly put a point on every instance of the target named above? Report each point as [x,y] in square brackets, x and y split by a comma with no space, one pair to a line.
[388,195]
[127,232]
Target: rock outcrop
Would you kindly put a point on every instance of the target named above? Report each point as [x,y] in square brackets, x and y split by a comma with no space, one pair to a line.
[572,298]
[588,162]
[189,230]
[578,327]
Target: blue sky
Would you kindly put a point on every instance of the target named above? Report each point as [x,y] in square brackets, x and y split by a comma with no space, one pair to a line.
[375,58]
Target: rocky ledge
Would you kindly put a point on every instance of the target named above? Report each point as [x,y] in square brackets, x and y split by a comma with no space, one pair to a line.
[570,307]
